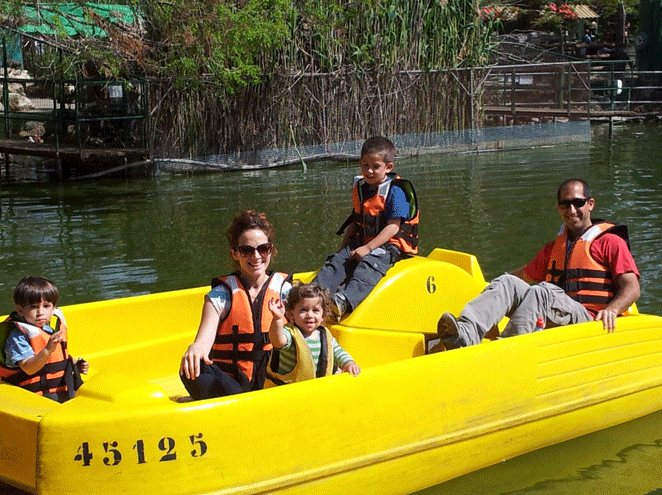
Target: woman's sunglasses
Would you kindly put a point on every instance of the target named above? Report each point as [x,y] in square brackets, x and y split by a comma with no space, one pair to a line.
[576,202]
[262,249]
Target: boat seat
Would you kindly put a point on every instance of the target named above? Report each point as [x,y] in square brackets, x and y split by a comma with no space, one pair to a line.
[173,387]
[410,297]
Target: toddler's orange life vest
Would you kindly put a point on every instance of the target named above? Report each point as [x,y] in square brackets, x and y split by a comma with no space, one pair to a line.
[57,377]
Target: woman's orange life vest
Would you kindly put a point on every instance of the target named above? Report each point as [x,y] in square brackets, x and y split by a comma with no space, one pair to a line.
[56,378]
[242,338]
[368,213]
[574,269]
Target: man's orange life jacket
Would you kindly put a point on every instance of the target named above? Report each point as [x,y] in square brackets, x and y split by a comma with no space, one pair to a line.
[574,269]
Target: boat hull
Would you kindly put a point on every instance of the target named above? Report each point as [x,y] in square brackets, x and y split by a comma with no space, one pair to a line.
[410,420]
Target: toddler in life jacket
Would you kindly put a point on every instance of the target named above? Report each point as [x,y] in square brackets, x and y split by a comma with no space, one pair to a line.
[35,353]
[303,347]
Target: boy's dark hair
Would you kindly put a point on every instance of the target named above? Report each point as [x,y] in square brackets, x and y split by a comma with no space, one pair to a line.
[31,290]
[303,291]
[379,145]
[249,220]
[585,188]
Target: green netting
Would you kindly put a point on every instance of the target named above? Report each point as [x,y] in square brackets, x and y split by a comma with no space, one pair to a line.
[70,19]
[468,140]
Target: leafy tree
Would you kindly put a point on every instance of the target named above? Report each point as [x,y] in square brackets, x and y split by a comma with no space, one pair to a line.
[233,43]
[538,14]
[217,42]
[192,42]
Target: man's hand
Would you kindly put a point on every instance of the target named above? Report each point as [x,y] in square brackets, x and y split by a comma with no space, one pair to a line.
[608,318]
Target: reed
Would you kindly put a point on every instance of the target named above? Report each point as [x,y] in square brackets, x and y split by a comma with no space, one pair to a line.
[347,69]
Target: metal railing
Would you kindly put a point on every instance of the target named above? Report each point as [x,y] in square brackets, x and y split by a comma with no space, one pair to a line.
[111,113]
[576,90]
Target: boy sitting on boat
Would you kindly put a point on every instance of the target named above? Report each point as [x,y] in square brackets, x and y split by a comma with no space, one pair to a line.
[35,351]
[303,347]
[382,228]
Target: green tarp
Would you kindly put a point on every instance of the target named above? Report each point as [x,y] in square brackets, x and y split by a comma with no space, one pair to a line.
[13,47]
[71,19]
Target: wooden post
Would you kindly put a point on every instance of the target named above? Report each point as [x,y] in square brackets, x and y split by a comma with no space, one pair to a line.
[6,165]
[570,67]
[60,174]
[512,94]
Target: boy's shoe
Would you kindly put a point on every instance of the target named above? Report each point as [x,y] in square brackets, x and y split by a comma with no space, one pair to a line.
[340,306]
[449,332]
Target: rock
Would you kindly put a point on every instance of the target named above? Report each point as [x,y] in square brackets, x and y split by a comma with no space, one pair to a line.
[16,88]
[18,74]
[19,103]
[33,129]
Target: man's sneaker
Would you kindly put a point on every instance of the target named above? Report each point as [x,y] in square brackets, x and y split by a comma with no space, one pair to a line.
[449,331]
[340,306]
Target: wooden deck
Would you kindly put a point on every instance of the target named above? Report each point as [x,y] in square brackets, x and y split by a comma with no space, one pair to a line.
[573,113]
[48,150]
[88,155]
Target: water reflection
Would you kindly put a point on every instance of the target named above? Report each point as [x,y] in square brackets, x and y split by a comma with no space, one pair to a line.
[116,238]
[625,459]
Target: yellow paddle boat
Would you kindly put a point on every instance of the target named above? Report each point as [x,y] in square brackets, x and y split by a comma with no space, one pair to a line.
[412,419]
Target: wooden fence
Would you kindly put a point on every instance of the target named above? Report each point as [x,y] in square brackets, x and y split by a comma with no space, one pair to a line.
[574,90]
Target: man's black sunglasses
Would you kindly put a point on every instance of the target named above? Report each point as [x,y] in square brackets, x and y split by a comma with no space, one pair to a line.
[576,202]
[262,249]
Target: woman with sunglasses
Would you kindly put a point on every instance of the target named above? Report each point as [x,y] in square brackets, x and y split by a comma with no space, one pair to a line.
[231,348]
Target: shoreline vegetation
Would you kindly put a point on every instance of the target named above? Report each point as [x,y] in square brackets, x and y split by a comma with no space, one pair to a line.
[226,77]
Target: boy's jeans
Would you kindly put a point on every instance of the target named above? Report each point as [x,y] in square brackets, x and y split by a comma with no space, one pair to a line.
[354,280]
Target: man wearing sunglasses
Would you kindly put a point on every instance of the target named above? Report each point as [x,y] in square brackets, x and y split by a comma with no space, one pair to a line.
[586,273]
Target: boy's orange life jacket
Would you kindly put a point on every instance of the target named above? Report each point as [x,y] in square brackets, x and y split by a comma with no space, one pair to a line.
[368,213]
[57,375]
[576,271]
[242,338]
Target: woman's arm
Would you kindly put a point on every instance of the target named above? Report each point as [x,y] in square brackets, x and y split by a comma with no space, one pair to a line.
[201,346]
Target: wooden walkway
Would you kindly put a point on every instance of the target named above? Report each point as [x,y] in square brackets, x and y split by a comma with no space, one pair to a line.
[62,154]
[14,147]
[572,113]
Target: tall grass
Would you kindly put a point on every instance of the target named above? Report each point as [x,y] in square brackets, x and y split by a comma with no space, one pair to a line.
[385,35]
[350,69]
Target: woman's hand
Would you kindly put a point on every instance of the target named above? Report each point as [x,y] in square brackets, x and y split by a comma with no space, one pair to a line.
[190,366]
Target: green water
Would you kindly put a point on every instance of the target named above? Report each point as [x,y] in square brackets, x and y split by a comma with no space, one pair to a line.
[623,460]
[107,239]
